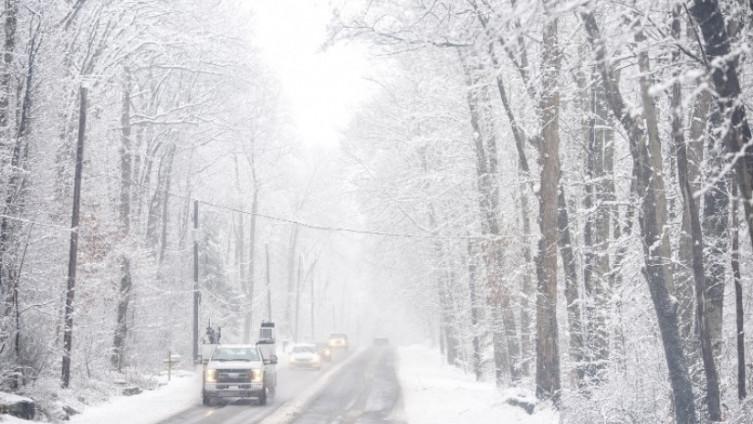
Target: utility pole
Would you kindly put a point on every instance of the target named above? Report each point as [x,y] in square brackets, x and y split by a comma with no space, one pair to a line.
[195,281]
[313,335]
[269,285]
[73,249]
[297,297]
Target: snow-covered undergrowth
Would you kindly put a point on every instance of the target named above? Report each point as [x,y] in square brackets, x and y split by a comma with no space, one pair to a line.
[93,406]
[181,393]
[99,401]
[435,393]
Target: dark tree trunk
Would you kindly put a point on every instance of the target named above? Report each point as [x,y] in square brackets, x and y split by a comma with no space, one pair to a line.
[565,247]
[739,315]
[73,250]
[12,186]
[724,76]
[713,401]
[547,340]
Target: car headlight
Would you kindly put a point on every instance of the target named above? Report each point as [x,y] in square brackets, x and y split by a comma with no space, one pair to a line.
[210,376]
[257,376]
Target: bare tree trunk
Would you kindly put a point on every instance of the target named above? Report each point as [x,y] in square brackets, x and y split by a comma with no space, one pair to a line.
[521,138]
[166,203]
[654,254]
[73,250]
[158,202]
[445,311]
[596,269]
[124,215]
[713,400]
[683,279]
[10,13]
[475,313]
[572,296]
[711,21]
[527,284]
[485,148]
[121,325]
[547,339]
[742,392]
[7,277]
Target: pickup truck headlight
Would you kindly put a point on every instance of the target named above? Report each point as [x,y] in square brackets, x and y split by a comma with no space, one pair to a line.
[210,376]
[257,375]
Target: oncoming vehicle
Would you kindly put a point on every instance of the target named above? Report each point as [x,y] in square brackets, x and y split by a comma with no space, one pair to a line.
[338,341]
[305,356]
[238,371]
[324,351]
[381,341]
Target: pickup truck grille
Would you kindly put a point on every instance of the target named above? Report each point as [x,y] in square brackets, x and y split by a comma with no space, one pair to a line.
[233,376]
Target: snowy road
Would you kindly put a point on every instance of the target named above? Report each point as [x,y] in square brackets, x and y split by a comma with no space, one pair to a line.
[291,382]
[364,391]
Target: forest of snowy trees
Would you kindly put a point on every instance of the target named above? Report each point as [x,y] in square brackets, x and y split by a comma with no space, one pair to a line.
[579,174]
[115,117]
[559,194]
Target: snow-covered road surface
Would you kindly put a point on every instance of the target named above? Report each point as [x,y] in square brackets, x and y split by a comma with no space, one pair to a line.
[363,392]
[291,383]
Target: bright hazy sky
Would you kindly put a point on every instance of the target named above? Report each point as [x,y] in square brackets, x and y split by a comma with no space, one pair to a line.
[321,87]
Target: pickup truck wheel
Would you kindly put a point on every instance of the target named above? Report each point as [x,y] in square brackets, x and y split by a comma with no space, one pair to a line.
[263,396]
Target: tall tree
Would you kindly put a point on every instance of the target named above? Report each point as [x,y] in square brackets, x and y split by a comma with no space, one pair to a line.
[723,68]
[547,339]
[73,249]
[124,215]
[651,218]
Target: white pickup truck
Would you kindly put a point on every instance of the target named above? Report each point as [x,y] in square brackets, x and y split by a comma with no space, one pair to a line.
[238,371]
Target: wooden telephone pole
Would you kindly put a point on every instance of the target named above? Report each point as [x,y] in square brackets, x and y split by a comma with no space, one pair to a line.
[196,281]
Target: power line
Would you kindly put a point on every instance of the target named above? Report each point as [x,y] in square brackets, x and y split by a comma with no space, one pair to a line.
[284,220]
[328,228]
[320,227]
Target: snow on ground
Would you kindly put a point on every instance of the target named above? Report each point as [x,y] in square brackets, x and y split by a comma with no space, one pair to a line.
[9,419]
[436,393]
[183,391]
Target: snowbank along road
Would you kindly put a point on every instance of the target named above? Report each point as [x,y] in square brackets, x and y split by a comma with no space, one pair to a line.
[365,391]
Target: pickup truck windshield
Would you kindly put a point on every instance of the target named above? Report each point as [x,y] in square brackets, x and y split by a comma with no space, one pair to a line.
[235,354]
